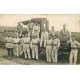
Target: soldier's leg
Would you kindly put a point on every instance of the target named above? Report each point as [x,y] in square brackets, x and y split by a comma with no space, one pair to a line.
[75,56]
[36,52]
[12,53]
[33,52]
[71,57]
[28,52]
[44,43]
[17,50]
[14,50]
[24,50]
[8,50]
[41,43]
[55,55]
[47,53]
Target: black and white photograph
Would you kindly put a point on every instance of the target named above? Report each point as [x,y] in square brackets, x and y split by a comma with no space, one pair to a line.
[39,39]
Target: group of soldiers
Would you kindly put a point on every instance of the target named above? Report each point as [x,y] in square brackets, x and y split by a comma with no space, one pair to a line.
[30,43]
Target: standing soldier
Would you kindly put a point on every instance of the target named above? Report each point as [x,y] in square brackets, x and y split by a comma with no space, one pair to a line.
[34,46]
[36,29]
[74,50]
[16,42]
[49,49]
[30,25]
[19,29]
[26,46]
[56,45]
[44,37]
[9,45]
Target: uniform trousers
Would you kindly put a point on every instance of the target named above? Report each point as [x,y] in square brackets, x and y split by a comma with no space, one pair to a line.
[49,53]
[73,56]
[10,52]
[16,50]
[35,51]
[54,54]
[26,49]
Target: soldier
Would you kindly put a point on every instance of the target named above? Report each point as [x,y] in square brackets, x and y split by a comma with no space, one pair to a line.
[49,49]
[16,42]
[52,32]
[74,50]
[9,45]
[19,29]
[34,46]
[30,25]
[56,45]
[26,46]
[36,29]
[64,32]
[44,37]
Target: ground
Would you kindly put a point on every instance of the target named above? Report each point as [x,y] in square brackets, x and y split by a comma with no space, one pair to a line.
[21,61]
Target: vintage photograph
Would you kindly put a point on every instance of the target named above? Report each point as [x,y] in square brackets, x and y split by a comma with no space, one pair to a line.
[39,39]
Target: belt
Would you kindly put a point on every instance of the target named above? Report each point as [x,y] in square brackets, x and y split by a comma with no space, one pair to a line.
[49,45]
[35,44]
[8,42]
[26,43]
[15,43]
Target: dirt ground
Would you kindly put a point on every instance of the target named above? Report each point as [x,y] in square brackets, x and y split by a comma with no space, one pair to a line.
[21,61]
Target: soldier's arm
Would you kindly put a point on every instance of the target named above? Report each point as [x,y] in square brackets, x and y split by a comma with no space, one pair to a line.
[78,44]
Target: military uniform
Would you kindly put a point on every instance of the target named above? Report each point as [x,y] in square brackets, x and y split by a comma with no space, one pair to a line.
[56,45]
[16,42]
[26,47]
[34,47]
[49,50]
[36,29]
[44,37]
[74,51]
[9,46]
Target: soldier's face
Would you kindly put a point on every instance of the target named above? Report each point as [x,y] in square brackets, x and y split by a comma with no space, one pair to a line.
[73,38]
[64,26]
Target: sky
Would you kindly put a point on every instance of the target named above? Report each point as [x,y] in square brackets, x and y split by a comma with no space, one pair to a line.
[56,20]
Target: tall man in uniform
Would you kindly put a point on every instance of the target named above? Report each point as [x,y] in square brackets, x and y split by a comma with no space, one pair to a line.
[9,45]
[20,28]
[34,46]
[44,37]
[55,47]
[49,49]
[74,50]
[16,42]
[36,29]
[26,46]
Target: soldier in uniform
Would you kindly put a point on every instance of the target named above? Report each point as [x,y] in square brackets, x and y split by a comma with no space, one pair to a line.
[44,37]
[55,47]
[64,32]
[34,46]
[16,42]
[36,29]
[30,25]
[49,49]
[19,29]
[52,32]
[26,46]
[9,45]
[74,50]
